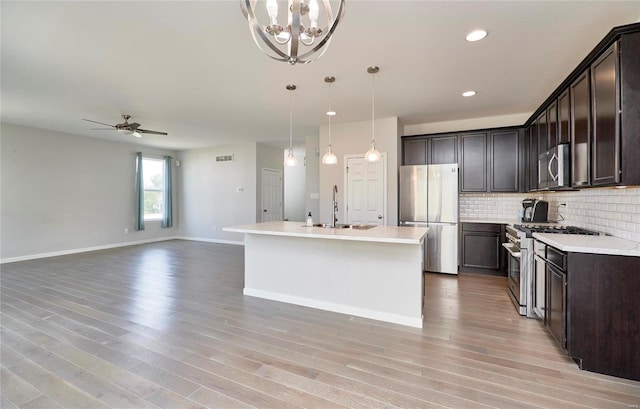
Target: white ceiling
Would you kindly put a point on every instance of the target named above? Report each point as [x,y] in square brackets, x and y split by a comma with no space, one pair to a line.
[191,68]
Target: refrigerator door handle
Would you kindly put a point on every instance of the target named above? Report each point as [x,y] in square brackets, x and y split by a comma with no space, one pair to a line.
[408,223]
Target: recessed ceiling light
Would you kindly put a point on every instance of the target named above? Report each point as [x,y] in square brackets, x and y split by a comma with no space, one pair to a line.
[468,93]
[476,35]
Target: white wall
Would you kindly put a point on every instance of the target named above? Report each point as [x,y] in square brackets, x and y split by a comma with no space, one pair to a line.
[214,194]
[294,186]
[64,193]
[268,157]
[312,182]
[466,124]
[353,139]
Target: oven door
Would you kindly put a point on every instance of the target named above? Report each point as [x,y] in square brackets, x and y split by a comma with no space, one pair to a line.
[514,275]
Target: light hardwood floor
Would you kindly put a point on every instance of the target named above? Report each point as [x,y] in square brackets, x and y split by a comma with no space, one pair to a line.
[166,325]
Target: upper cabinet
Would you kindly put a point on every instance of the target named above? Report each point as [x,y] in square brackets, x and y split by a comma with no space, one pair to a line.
[580,131]
[605,136]
[489,160]
[473,162]
[597,110]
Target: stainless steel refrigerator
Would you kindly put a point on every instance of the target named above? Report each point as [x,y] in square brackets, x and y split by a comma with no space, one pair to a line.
[429,197]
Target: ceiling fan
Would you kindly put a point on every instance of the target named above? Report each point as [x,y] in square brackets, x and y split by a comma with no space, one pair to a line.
[126,127]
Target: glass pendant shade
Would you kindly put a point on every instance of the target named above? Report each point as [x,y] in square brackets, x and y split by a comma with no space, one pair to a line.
[372,155]
[291,160]
[329,158]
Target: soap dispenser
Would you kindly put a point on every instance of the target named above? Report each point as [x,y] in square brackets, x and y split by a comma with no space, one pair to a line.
[309,220]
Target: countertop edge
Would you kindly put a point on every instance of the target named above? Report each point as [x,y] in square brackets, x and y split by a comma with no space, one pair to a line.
[330,234]
[615,246]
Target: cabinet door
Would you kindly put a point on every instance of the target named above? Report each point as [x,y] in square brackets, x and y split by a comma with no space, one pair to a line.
[533,157]
[557,304]
[543,133]
[580,130]
[473,162]
[605,161]
[552,125]
[563,117]
[504,159]
[444,149]
[414,151]
[481,250]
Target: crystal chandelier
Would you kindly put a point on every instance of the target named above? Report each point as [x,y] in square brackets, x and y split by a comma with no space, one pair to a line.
[285,42]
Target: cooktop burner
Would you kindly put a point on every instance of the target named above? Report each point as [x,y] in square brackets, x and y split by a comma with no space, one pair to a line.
[529,229]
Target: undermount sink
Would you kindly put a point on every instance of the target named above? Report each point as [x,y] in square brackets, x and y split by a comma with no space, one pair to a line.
[345,226]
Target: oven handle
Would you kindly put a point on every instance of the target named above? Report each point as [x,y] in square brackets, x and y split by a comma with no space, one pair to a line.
[509,248]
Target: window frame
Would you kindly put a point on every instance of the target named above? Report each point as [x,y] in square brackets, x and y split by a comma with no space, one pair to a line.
[157,217]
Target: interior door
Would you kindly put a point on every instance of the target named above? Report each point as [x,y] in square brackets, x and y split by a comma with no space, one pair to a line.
[271,195]
[365,191]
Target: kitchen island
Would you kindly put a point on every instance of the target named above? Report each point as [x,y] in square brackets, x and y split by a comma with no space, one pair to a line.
[373,273]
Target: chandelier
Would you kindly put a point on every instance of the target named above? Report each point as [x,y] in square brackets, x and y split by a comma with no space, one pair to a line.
[301,39]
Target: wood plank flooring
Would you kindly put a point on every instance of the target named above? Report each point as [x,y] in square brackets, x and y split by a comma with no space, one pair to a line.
[165,325]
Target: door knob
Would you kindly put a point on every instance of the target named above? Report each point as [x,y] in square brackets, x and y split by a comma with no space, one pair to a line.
[264,210]
[379,217]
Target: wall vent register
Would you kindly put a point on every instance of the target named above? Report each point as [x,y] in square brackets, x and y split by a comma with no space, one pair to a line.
[224,158]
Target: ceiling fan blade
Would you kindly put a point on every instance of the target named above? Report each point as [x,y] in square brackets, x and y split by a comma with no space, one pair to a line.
[151,132]
[134,125]
[96,122]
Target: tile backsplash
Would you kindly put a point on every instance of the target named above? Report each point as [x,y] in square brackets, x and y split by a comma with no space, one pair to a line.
[613,211]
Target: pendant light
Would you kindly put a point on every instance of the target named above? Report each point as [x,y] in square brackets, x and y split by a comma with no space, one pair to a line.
[291,159]
[373,155]
[329,158]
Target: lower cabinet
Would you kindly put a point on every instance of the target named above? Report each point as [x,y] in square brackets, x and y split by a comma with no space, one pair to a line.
[592,311]
[557,304]
[481,248]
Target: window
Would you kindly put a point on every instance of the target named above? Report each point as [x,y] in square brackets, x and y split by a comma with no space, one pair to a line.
[153,175]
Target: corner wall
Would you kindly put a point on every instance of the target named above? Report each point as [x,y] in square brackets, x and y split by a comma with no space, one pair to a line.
[65,193]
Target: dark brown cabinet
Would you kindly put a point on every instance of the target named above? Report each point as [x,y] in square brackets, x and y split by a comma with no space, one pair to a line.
[552,125]
[556,308]
[414,151]
[564,115]
[603,332]
[481,249]
[580,130]
[473,162]
[443,149]
[543,133]
[532,157]
[605,169]
[505,162]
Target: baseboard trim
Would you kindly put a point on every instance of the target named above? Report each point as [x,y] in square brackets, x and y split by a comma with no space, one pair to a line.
[112,246]
[219,241]
[84,249]
[333,307]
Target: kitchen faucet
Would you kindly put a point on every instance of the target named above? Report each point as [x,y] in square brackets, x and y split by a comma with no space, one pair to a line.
[334,208]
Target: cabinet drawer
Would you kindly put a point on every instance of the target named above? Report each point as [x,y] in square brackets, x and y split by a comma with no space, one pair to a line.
[481,227]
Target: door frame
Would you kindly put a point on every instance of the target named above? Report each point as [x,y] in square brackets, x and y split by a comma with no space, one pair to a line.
[279,171]
[383,159]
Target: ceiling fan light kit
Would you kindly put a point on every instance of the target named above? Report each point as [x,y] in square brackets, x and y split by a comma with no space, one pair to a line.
[286,42]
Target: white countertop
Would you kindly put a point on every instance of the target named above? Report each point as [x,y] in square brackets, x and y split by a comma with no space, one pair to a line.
[590,244]
[491,221]
[381,234]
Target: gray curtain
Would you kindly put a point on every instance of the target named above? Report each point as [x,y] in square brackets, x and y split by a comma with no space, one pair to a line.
[139,193]
[167,218]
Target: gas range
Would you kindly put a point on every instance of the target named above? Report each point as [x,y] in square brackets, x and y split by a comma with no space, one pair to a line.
[529,229]
[522,275]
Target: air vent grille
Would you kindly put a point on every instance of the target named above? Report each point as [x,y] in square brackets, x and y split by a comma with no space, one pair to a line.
[224,158]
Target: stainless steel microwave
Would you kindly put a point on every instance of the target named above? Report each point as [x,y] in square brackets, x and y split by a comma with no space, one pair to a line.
[553,168]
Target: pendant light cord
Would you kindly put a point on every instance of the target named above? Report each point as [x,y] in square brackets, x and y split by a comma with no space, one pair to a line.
[290,121]
[373,110]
